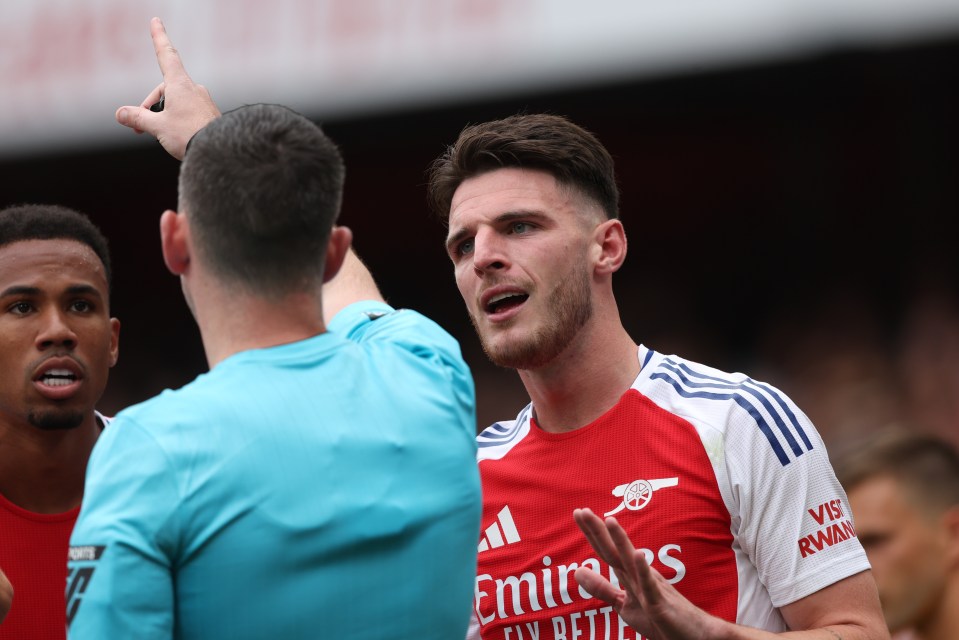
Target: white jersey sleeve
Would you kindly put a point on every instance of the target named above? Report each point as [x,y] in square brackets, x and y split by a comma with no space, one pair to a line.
[789,514]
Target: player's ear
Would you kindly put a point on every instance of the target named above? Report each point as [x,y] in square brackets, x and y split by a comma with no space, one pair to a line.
[609,246]
[114,341]
[950,521]
[174,241]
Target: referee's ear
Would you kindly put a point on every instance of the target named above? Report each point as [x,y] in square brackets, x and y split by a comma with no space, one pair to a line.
[336,248]
[175,241]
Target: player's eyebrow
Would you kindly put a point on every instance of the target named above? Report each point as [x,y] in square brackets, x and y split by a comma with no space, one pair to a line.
[84,289]
[19,290]
[27,290]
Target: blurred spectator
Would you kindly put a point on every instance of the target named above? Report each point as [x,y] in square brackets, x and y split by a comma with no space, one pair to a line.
[903,491]
[929,363]
[852,368]
[835,361]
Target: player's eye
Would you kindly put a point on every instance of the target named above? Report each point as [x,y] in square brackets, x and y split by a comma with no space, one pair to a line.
[21,308]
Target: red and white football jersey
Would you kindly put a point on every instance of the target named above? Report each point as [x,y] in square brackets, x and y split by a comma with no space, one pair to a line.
[33,555]
[721,480]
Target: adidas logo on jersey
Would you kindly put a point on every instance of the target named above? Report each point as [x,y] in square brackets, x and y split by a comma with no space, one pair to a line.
[501,532]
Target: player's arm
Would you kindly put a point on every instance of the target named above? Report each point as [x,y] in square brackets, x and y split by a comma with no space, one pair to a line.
[6,596]
[187,106]
[846,610]
[851,604]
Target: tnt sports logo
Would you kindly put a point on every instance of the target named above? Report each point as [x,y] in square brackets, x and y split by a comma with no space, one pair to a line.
[638,493]
[82,563]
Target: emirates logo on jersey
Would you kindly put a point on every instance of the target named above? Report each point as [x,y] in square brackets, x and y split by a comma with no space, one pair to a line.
[638,493]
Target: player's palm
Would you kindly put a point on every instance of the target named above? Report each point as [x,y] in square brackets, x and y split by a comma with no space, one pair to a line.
[645,600]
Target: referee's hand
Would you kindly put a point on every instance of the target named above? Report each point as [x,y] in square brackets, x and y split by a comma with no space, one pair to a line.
[186,106]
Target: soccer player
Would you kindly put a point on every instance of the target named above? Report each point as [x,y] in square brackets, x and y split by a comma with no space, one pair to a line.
[755,530]
[904,493]
[319,480]
[57,345]
[720,481]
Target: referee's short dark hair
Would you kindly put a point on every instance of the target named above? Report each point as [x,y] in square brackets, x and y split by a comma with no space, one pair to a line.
[262,186]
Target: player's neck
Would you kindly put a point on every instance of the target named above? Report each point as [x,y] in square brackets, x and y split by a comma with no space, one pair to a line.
[585,381]
[942,624]
[43,471]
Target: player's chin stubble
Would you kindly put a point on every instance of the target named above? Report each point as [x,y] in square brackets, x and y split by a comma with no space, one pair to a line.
[569,307]
[55,420]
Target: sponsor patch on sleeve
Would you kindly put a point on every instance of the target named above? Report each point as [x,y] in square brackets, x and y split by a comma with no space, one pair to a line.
[832,526]
[82,563]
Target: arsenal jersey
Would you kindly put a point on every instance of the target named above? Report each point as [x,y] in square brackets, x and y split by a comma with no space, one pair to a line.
[720,480]
[33,555]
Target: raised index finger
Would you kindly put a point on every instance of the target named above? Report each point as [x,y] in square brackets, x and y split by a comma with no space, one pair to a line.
[169,59]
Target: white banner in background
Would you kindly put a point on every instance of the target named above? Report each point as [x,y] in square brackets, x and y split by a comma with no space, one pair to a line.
[65,65]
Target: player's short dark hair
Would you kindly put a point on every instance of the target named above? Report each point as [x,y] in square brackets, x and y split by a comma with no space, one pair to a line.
[262,186]
[551,143]
[926,466]
[53,222]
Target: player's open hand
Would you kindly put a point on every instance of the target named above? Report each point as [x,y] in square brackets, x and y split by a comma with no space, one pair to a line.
[646,601]
[186,108]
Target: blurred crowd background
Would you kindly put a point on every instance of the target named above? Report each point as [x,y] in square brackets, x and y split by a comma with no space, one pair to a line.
[788,169]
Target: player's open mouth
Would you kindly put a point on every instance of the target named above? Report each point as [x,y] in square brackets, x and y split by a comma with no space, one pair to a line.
[59,378]
[505,302]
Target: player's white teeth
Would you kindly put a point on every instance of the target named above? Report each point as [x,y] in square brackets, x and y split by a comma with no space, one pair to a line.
[58,377]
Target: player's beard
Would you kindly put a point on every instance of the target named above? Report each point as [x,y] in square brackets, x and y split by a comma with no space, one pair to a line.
[569,308]
[55,420]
